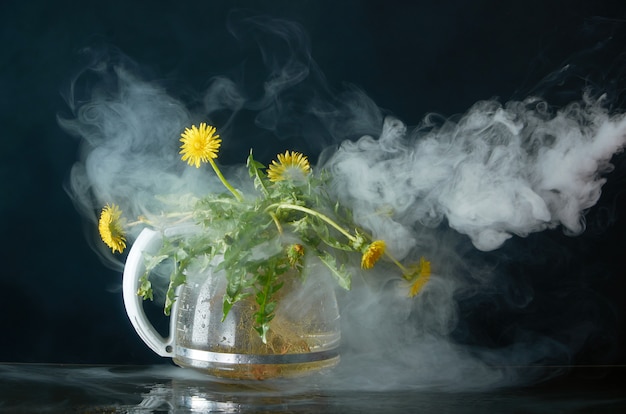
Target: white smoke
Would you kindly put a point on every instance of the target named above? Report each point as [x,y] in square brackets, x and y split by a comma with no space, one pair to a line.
[500,170]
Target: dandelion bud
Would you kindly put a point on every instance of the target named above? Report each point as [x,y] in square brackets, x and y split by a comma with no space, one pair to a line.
[295,253]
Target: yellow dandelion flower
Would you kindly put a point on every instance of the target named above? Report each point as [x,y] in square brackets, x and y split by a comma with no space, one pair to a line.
[111,228]
[199,144]
[290,165]
[421,275]
[373,253]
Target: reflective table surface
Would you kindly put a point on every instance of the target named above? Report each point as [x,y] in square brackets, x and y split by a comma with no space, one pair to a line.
[32,388]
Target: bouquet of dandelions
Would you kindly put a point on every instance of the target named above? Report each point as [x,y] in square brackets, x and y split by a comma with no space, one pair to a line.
[289,203]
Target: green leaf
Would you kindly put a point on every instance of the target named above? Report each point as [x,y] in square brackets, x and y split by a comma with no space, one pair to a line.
[255,169]
[181,254]
[177,278]
[235,281]
[229,302]
[226,307]
[343,277]
[151,262]
[269,308]
[145,287]
[276,287]
[260,298]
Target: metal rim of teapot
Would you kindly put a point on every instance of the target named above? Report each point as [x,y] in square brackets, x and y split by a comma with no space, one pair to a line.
[231,358]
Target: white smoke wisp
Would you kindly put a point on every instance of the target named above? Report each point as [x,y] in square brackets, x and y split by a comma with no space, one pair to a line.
[497,172]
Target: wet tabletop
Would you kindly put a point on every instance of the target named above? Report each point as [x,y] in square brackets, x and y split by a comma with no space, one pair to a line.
[167,389]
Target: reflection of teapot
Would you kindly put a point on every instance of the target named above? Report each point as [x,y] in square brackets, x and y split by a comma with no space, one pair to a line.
[304,334]
[197,396]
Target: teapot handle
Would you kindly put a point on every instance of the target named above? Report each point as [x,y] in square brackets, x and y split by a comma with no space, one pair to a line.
[148,241]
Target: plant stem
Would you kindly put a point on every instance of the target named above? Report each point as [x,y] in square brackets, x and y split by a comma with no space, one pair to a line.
[276,222]
[223,180]
[144,220]
[316,214]
[397,263]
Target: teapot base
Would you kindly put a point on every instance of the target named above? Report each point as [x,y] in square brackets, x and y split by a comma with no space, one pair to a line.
[255,367]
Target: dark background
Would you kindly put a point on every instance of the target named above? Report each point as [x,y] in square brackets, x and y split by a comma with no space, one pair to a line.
[61,304]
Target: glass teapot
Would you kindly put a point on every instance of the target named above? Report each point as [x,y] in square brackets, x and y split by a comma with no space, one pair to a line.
[304,335]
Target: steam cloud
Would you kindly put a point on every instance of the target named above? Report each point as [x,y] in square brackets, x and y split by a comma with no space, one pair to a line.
[498,171]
